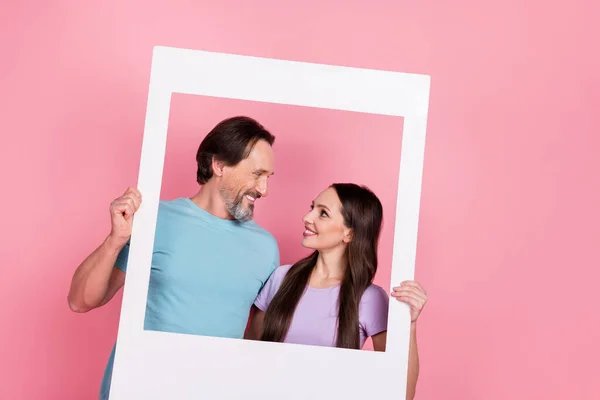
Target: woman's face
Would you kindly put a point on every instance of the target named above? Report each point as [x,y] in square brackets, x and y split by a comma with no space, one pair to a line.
[324,226]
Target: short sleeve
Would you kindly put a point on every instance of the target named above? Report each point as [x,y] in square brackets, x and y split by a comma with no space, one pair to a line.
[122,258]
[270,288]
[276,261]
[373,310]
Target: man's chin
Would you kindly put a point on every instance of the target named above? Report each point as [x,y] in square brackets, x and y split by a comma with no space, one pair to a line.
[249,207]
[247,216]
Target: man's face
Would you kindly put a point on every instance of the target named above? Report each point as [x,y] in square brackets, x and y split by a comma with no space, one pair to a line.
[246,182]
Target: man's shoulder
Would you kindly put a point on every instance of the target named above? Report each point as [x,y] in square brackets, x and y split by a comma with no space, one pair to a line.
[261,232]
[179,210]
[173,204]
[171,212]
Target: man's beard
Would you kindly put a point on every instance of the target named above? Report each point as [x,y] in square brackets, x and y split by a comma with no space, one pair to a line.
[235,205]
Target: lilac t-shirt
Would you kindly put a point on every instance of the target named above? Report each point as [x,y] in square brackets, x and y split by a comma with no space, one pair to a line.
[315,319]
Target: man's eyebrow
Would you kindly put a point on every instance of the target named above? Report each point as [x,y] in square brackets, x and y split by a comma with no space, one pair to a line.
[263,171]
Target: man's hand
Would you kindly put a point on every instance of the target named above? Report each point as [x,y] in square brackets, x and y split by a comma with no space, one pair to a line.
[122,210]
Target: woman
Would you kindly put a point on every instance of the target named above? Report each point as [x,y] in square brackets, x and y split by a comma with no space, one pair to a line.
[301,303]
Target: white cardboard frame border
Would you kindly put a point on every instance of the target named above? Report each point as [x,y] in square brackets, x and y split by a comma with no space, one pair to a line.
[189,366]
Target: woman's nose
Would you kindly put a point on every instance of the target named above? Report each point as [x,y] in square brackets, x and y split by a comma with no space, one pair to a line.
[306,219]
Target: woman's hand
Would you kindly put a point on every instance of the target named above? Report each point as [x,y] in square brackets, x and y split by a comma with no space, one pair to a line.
[411,293]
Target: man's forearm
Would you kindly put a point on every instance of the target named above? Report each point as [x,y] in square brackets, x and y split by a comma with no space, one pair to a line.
[91,279]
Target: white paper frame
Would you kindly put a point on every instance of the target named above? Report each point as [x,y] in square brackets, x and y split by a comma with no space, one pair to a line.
[159,365]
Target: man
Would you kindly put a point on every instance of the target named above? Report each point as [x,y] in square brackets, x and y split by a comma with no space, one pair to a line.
[210,258]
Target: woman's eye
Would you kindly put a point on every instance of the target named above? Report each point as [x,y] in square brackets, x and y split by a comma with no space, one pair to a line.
[323,214]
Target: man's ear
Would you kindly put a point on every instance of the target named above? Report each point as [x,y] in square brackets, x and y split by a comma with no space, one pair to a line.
[217,167]
[348,235]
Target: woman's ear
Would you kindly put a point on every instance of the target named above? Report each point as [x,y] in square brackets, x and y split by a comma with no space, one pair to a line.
[348,235]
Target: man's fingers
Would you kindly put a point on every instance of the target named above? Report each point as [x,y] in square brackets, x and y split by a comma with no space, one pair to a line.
[128,211]
[133,191]
[123,207]
[130,199]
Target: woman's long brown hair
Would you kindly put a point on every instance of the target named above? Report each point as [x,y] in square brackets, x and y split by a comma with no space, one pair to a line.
[363,213]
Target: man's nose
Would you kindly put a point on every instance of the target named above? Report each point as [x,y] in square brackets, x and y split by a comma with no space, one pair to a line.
[263,188]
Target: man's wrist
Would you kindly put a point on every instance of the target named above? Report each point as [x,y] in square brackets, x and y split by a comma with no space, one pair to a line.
[113,244]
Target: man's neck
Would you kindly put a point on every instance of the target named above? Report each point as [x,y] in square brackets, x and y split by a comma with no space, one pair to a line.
[210,200]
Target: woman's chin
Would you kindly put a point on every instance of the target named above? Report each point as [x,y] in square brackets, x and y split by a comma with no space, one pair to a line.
[306,243]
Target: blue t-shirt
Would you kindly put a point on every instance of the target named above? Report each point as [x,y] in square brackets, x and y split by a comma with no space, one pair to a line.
[206,273]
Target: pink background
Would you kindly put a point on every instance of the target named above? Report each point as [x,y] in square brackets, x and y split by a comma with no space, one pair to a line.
[510,219]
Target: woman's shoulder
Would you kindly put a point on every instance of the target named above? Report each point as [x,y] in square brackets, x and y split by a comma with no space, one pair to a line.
[374,294]
[279,273]
[282,270]
[373,310]
[271,287]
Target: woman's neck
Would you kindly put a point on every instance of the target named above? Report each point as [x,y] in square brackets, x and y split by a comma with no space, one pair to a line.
[330,268]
